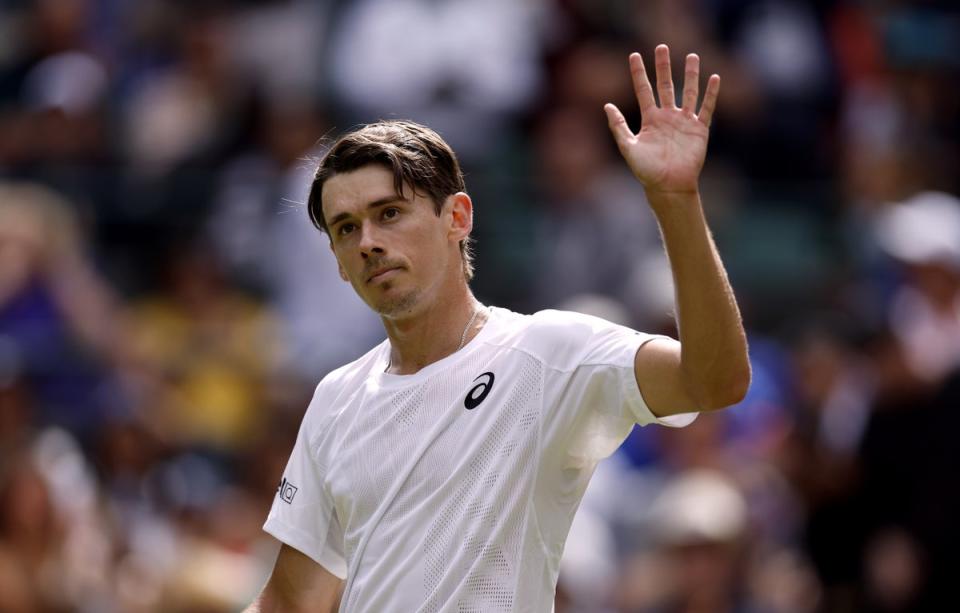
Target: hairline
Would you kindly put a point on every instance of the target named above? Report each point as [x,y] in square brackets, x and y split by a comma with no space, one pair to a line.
[399,192]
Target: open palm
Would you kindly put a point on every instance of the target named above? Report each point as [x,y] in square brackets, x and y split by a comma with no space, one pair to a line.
[668,152]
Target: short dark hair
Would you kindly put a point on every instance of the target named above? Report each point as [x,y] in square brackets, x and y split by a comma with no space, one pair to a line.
[416,155]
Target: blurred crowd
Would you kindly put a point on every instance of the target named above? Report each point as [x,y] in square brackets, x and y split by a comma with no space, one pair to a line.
[166,308]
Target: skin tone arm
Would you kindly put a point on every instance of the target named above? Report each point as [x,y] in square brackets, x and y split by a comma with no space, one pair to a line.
[298,584]
[708,368]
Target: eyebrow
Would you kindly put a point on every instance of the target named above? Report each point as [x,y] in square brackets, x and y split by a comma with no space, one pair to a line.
[376,203]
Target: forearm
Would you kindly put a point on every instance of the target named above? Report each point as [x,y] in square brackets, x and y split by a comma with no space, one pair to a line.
[714,361]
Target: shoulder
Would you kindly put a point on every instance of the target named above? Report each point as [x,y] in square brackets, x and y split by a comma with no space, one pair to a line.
[570,322]
[332,392]
[352,372]
[546,320]
[559,339]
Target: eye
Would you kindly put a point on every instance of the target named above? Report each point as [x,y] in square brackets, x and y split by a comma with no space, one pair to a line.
[391,212]
[345,229]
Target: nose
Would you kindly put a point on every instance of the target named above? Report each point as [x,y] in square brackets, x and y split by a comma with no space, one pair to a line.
[369,241]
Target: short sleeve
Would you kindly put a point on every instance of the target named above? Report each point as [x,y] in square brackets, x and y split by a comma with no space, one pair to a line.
[303,515]
[594,389]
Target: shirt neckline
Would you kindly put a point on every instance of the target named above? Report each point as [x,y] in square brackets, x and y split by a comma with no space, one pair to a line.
[385,379]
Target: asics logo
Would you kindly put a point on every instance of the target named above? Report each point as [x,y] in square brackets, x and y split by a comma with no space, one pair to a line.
[479,391]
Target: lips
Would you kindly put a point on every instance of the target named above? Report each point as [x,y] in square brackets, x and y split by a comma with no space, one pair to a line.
[380,273]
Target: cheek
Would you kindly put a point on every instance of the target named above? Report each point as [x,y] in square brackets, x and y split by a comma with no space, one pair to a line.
[346,266]
[431,249]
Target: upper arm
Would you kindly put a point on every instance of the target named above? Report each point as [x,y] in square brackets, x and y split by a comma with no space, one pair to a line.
[298,584]
[660,378]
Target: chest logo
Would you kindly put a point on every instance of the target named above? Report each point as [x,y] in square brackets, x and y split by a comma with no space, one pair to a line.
[479,391]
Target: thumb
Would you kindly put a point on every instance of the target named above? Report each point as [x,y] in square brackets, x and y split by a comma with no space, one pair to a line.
[618,125]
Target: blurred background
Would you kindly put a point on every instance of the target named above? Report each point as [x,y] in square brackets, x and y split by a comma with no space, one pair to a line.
[166,308]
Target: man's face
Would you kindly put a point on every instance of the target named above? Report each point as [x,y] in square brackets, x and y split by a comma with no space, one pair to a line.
[396,252]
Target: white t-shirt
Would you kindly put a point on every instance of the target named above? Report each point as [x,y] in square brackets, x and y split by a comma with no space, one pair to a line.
[453,489]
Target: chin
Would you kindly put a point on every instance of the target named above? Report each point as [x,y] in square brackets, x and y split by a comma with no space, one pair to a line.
[394,303]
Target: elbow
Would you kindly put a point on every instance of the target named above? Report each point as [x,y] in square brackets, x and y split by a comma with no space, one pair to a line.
[725,391]
[737,388]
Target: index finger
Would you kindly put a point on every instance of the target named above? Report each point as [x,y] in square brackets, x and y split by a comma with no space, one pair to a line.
[641,84]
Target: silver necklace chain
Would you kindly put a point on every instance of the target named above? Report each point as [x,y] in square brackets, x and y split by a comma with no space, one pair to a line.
[463,337]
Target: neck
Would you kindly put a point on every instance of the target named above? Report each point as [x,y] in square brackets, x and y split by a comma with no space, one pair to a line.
[432,333]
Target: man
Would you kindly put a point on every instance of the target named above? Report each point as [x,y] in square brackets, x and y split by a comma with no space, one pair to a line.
[441,471]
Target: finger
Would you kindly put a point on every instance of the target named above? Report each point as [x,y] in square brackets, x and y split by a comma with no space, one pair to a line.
[641,84]
[664,78]
[710,100]
[618,125]
[691,83]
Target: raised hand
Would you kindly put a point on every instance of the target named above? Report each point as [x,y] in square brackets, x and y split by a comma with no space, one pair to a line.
[668,152]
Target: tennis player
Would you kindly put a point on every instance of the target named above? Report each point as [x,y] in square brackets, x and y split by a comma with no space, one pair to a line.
[441,470]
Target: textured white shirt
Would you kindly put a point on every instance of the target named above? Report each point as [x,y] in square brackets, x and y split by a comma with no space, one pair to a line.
[453,489]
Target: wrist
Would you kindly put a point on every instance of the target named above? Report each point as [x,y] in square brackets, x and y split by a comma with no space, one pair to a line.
[672,200]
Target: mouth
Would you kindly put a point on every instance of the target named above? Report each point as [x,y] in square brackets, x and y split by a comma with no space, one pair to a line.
[383,274]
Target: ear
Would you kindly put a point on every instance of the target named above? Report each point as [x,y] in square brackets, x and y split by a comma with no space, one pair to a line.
[461,216]
[343,275]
